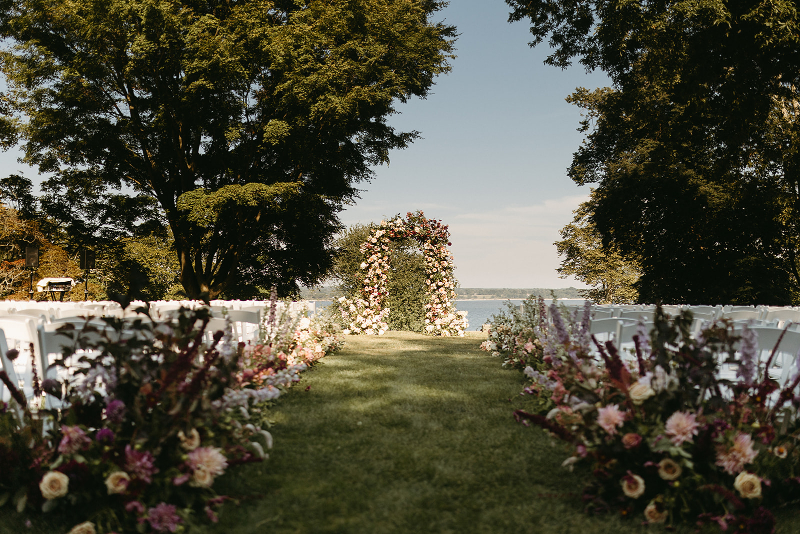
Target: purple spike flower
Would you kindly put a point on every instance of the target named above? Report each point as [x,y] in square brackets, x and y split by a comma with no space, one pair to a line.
[558,322]
[747,367]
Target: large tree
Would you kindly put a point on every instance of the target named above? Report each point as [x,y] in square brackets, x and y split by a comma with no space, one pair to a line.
[695,145]
[611,276]
[248,122]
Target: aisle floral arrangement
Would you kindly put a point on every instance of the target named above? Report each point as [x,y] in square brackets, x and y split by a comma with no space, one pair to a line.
[665,437]
[366,314]
[149,421]
[514,334]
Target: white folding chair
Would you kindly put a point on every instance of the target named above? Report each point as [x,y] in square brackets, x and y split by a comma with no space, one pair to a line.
[786,353]
[246,324]
[20,333]
[8,366]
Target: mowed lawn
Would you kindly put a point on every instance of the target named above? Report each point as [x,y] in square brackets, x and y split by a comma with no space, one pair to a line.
[406,433]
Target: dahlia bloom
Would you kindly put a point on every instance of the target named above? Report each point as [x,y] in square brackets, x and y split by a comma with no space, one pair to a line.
[163,518]
[741,453]
[609,418]
[681,427]
[140,464]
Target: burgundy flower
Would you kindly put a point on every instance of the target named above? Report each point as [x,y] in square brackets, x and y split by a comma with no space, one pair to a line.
[104,435]
[134,507]
[163,518]
[115,411]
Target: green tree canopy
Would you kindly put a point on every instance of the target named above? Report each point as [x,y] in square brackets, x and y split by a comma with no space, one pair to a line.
[584,257]
[271,112]
[695,146]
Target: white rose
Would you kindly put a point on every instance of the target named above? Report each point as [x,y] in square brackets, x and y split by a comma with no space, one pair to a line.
[652,514]
[190,443]
[117,482]
[748,485]
[668,469]
[640,392]
[54,484]
[633,486]
[202,478]
[83,528]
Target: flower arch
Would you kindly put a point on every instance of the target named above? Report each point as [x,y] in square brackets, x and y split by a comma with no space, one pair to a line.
[366,313]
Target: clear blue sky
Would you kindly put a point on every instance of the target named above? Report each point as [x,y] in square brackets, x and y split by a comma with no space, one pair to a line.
[497,138]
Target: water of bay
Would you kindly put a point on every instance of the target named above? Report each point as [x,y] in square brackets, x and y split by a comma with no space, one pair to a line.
[480,311]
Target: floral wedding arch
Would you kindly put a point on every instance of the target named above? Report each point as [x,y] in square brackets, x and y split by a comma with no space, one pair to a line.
[366,313]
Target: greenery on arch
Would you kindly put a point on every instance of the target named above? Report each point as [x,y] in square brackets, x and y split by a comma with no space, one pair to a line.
[366,312]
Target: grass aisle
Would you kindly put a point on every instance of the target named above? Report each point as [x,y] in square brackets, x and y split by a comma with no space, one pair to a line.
[403,434]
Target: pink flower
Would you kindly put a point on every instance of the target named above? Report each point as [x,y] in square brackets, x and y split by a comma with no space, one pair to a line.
[163,518]
[74,439]
[734,459]
[609,418]
[681,427]
[631,440]
[140,464]
[134,507]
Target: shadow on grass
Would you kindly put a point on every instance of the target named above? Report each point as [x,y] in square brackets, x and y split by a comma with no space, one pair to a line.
[408,433]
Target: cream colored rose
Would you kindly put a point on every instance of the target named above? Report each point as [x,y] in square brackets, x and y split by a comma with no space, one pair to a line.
[117,482]
[54,484]
[190,443]
[633,486]
[83,528]
[652,514]
[202,478]
[640,392]
[748,485]
[668,469]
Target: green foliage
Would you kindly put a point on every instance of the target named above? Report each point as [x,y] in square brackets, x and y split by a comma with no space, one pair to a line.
[186,98]
[695,146]
[585,258]
[146,268]
[406,287]
[346,270]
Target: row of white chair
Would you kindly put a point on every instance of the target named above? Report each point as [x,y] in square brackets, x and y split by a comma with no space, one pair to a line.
[621,332]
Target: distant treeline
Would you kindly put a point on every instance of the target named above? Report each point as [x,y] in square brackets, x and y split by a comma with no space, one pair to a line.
[329,293]
[515,293]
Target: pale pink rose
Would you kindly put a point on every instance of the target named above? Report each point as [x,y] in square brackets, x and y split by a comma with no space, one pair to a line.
[681,427]
[609,418]
[741,453]
[631,440]
[117,482]
[632,486]
[54,484]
